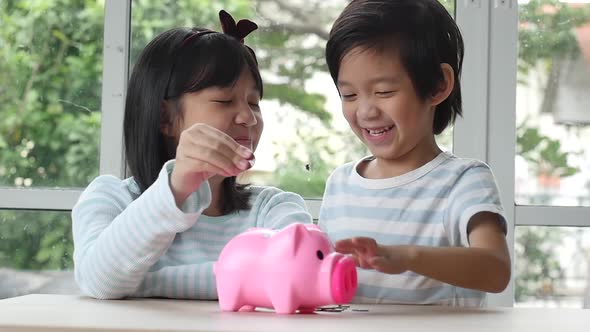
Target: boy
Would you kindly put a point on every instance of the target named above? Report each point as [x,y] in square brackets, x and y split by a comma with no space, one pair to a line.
[425,225]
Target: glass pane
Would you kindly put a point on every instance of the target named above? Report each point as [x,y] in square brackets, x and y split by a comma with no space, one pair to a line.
[552,266]
[50,90]
[305,135]
[36,250]
[552,102]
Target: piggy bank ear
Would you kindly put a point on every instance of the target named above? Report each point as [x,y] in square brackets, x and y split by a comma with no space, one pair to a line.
[291,237]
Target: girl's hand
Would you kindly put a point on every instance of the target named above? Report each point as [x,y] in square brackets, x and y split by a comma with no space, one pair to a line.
[368,254]
[202,152]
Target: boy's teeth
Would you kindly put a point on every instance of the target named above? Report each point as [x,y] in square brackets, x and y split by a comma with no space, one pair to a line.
[379,132]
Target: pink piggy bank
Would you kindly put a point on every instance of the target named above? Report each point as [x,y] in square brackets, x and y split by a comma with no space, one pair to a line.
[292,269]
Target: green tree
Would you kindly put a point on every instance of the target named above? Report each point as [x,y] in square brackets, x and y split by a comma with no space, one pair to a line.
[51,70]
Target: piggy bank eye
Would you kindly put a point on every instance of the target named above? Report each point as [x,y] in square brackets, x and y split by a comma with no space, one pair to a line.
[320,254]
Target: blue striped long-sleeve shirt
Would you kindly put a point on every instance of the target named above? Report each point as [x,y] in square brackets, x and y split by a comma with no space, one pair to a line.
[429,206]
[142,245]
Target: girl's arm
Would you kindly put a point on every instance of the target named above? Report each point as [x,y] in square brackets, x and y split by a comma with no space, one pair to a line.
[274,208]
[194,281]
[117,239]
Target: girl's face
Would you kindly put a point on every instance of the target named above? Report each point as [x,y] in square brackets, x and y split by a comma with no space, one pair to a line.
[381,105]
[233,110]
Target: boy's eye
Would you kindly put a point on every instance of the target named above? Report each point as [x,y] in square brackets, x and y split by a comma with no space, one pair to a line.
[254,105]
[348,96]
[221,101]
[384,93]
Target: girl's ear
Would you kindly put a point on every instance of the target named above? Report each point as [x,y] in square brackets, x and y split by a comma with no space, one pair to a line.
[445,87]
[167,127]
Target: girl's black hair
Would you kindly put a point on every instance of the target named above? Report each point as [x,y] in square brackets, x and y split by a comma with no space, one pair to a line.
[423,33]
[174,63]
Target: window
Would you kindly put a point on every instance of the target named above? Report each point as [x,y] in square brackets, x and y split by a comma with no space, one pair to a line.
[51,71]
[35,253]
[54,122]
[60,129]
[534,151]
[552,265]
[552,164]
[552,102]
[522,116]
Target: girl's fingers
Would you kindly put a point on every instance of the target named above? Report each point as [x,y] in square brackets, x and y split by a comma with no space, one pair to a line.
[227,142]
[222,145]
[207,154]
[200,166]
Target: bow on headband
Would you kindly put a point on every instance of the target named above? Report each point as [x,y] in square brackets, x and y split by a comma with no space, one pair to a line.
[239,30]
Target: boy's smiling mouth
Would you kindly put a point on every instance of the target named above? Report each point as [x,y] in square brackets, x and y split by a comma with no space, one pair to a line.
[378,131]
[379,135]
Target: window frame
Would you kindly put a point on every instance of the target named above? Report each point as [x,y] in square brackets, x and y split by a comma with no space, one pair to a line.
[116,44]
[490,31]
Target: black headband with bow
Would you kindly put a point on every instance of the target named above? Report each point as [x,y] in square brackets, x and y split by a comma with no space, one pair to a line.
[239,30]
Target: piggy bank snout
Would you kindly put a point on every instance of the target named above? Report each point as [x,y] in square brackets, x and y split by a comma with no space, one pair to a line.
[344,280]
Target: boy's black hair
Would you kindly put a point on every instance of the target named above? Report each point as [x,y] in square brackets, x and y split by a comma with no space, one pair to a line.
[174,63]
[423,33]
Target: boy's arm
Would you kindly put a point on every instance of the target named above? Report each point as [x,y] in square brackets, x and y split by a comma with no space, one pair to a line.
[485,265]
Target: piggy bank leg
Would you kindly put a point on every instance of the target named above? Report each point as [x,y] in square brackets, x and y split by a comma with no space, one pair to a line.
[247,308]
[230,304]
[284,304]
[229,296]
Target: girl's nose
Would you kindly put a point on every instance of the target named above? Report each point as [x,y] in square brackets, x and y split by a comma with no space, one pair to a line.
[246,116]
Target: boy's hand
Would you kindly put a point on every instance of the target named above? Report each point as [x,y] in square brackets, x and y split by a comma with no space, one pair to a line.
[368,254]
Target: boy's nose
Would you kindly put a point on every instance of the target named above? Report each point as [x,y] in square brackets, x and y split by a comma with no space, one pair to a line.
[367,110]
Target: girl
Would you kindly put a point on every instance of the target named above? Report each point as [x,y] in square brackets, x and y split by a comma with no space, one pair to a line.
[192,123]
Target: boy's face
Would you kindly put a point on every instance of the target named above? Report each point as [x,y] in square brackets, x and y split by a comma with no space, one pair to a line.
[381,105]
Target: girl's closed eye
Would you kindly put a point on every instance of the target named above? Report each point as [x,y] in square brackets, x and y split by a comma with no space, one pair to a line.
[254,105]
[222,101]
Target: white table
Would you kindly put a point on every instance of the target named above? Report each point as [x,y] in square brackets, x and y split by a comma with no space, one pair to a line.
[75,313]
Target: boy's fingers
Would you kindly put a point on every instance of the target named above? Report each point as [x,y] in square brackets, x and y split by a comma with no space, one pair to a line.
[379,263]
[345,247]
[365,264]
[366,242]
[366,245]
[355,259]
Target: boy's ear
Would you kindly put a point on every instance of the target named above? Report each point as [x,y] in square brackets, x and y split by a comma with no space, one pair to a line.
[445,87]
[166,125]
